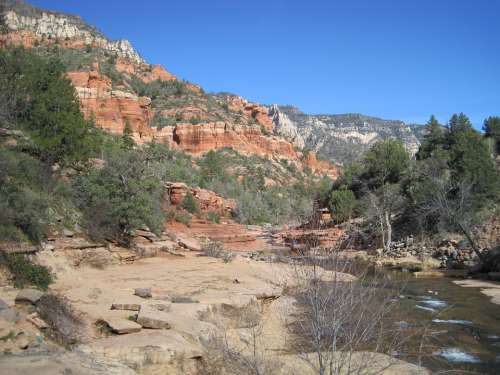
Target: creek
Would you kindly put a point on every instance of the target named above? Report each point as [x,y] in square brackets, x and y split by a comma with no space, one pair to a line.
[460,326]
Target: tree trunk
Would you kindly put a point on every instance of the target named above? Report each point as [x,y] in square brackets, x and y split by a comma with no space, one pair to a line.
[388,226]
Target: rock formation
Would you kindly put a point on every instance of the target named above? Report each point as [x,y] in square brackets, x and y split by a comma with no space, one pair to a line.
[341,138]
[111,109]
[196,124]
[30,27]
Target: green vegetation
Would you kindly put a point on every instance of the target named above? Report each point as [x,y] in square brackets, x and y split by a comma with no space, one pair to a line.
[342,204]
[122,196]
[45,106]
[492,133]
[190,204]
[453,183]
[26,273]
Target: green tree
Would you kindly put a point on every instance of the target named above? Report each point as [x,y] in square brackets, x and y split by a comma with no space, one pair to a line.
[342,204]
[492,132]
[120,198]
[458,123]
[46,106]
[470,160]
[127,140]
[386,162]
[433,139]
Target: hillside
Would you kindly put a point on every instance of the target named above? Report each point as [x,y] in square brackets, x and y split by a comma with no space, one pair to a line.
[342,137]
[117,88]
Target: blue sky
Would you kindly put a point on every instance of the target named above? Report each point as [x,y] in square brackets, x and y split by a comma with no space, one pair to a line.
[396,59]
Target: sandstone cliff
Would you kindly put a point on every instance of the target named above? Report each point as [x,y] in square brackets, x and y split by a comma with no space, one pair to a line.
[116,86]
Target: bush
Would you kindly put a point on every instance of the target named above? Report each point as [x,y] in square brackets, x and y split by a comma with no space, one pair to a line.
[189,204]
[214,249]
[213,217]
[25,272]
[183,218]
[341,204]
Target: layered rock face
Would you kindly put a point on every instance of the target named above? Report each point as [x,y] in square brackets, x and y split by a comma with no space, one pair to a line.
[207,200]
[196,122]
[40,26]
[342,138]
[252,110]
[147,73]
[112,109]
[201,138]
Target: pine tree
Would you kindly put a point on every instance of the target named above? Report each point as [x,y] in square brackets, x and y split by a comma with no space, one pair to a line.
[127,140]
[492,132]
[433,139]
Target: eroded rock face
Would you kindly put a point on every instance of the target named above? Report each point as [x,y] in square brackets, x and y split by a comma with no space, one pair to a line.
[112,109]
[321,166]
[253,110]
[201,138]
[207,200]
[48,27]
[147,73]
[344,137]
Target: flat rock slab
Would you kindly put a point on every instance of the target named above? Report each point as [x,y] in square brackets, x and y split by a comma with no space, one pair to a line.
[126,306]
[153,319]
[3,304]
[190,243]
[143,292]
[122,326]
[10,315]
[29,296]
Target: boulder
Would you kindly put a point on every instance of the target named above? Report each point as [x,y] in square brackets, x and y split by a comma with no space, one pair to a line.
[68,233]
[3,305]
[122,326]
[9,315]
[190,243]
[149,318]
[126,306]
[31,296]
[143,292]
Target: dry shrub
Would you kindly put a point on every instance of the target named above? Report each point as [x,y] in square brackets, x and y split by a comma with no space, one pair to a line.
[65,326]
[215,249]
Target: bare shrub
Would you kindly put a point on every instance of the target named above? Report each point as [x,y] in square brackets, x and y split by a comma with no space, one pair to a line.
[215,249]
[223,358]
[65,326]
[337,318]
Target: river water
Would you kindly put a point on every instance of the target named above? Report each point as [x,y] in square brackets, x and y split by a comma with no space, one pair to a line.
[460,326]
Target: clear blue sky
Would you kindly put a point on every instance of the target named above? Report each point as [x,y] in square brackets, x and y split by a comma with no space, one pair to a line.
[397,59]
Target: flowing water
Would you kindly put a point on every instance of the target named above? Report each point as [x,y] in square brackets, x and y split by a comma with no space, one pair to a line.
[460,326]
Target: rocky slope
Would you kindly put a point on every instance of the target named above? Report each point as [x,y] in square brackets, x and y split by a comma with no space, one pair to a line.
[117,87]
[341,138]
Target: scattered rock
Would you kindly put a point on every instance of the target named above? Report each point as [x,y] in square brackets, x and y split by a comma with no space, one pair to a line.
[37,321]
[126,306]
[143,292]
[153,319]
[122,326]
[68,233]
[31,296]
